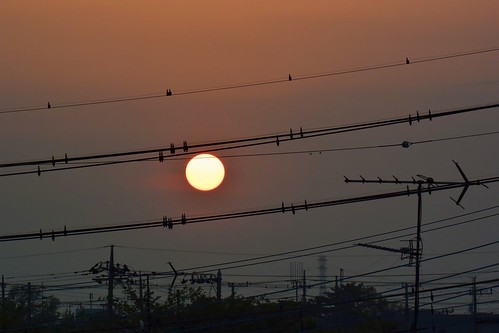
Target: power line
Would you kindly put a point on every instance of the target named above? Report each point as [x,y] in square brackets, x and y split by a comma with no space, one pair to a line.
[384,270]
[230,144]
[50,253]
[241,143]
[461,251]
[246,263]
[405,144]
[66,278]
[186,251]
[170,222]
[458,137]
[289,78]
[78,285]
[54,275]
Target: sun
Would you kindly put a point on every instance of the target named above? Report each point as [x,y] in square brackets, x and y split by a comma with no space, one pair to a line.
[205,172]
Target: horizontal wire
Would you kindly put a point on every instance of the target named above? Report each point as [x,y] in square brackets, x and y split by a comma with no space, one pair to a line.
[247,142]
[60,275]
[308,254]
[379,271]
[50,253]
[314,151]
[166,222]
[229,144]
[73,286]
[169,93]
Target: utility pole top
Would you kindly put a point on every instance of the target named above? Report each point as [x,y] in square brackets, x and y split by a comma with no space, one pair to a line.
[429,182]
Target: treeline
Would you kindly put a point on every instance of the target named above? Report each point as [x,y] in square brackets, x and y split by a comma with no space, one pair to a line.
[349,307]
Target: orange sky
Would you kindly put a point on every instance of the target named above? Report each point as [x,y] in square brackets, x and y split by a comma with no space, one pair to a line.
[72,51]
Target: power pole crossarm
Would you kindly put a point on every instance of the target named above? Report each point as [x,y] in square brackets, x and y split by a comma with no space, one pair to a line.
[403,250]
[429,182]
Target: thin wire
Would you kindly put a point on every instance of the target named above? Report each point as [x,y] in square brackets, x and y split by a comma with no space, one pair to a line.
[379,271]
[54,275]
[339,248]
[50,253]
[230,144]
[219,217]
[241,143]
[248,85]
[327,150]
[186,251]
[455,137]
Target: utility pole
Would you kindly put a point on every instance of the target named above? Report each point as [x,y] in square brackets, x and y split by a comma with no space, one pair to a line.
[29,304]
[112,274]
[430,183]
[406,298]
[110,283]
[474,308]
[219,286]
[3,291]
[178,300]
[148,292]
[474,305]
[232,291]
[304,286]
[141,295]
[295,270]
[322,275]
[418,259]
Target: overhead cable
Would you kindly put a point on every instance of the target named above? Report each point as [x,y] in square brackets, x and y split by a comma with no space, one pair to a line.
[288,78]
[161,154]
[169,222]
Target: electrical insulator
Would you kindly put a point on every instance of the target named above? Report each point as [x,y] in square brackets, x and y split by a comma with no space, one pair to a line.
[406,144]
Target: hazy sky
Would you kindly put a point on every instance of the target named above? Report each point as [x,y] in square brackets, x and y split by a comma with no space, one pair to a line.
[76,51]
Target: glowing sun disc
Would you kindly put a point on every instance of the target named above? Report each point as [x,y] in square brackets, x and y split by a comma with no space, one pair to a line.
[205,172]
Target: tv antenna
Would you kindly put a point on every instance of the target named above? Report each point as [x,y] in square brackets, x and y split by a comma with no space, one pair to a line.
[424,184]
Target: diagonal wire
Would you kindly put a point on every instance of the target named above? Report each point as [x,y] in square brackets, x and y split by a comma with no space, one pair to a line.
[248,85]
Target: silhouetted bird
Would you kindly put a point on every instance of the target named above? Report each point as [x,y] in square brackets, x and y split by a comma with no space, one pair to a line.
[48,105]
[407,61]
[290,77]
